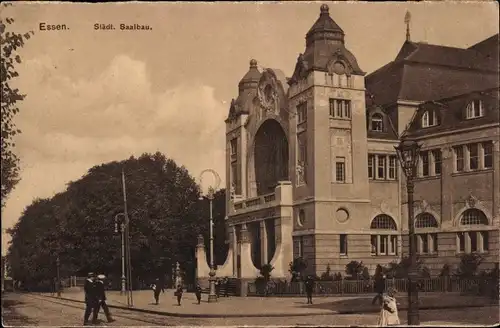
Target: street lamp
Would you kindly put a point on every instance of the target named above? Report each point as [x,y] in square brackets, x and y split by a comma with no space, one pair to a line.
[212,296]
[120,220]
[408,153]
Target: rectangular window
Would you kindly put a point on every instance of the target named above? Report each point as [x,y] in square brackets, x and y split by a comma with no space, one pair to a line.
[425,243]
[302,113]
[473,156]
[437,161]
[332,107]
[343,244]
[340,169]
[425,163]
[488,154]
[459,158]
[300,245]
[371,166]
[474,109]
[381,167]
[473,241]
[434,241]
[373,242]
[392,167]
[383,245]
[485,241]
[393,245]
[340,108]
[302,157]
[234,147]
[461,242]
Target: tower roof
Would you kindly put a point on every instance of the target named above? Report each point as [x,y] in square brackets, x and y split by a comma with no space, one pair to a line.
[325,28]
[253,74]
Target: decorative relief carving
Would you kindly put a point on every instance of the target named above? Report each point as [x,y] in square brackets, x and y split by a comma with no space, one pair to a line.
[303,97]
[447,152]
[300,174]
[471,201]
[424,206]
[244,234]
[384,208]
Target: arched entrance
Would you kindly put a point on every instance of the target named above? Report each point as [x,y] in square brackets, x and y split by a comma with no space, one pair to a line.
[271,156]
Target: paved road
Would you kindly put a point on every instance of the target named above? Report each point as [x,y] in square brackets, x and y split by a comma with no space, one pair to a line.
[24,309]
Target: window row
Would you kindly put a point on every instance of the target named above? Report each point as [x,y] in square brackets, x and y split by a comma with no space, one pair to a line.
[430,163]
[427,243]
[384,244]
[340,108]
[382,167]
[474,156]
[341,80]
[474,109]
[472,241]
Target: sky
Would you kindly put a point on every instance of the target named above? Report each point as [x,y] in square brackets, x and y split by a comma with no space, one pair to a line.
[99,96]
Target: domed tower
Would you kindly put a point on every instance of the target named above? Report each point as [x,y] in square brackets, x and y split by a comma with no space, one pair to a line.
[328,133]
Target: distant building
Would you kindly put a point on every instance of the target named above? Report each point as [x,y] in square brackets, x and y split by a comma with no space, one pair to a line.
[312,168]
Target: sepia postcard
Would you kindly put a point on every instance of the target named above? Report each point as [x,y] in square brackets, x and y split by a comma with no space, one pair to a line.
[292,163]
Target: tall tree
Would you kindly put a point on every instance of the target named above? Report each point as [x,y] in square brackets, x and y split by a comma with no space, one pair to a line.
[164,212]
[10,43]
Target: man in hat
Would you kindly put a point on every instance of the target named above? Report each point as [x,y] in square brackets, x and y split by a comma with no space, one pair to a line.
[91,300]
[101,298]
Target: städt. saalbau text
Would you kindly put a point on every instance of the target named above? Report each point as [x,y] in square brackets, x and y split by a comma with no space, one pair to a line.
[122,27]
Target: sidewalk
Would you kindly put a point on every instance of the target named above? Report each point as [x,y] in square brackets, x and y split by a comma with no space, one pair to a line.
[273,306]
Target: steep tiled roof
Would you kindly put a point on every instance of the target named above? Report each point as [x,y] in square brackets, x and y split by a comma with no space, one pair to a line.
[451,112]
[423,72]
[324,23]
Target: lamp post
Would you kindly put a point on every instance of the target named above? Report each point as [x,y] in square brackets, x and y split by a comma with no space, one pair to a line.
[58,286]
[120,220]
[212,296]
[408,153]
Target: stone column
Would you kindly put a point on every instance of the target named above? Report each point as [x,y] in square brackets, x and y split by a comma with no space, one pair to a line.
[263,243]
[202,268]
[235,246]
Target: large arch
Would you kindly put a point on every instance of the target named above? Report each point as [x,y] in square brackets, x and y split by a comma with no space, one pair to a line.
[271,156]
[383,222]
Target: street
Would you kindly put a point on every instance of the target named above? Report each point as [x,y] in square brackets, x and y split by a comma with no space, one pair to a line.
[28,309]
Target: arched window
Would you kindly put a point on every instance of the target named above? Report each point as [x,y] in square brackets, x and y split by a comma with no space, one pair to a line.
[302,218]
[473,216]
[384,222]
[425,220]
[386,243]
[425,119]
[377,123]
[430,118]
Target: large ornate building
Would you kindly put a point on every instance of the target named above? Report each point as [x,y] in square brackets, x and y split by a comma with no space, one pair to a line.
[312,168]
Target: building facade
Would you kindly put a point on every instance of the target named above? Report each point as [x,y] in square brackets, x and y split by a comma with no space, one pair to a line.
[312,169]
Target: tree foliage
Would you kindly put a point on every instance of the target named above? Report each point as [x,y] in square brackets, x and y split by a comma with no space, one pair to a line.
[469,265]
[10,44]
[354,269]
[78,225]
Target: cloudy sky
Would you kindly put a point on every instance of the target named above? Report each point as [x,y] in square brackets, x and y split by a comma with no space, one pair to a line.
[98,96]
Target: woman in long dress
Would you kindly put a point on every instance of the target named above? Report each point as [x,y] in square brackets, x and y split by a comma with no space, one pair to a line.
[389,311]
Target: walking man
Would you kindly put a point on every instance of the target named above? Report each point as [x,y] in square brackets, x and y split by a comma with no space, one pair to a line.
[157,288]
[101,298]
[90,299]
[309,288]
[178,293]
[198,292]
[379,288]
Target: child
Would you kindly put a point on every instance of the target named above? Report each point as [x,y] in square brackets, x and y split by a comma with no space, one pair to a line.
[198,292]
[389,312]
[178,293]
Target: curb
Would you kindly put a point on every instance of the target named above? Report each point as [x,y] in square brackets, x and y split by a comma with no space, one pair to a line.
[270,315]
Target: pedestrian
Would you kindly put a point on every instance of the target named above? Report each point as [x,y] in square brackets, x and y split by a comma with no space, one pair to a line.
[379,287]
[90,299]
[101,298]
[389,310]
[198,292]
[309,288]
[226,287]
[178,293]
[157,287]
[217,287]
